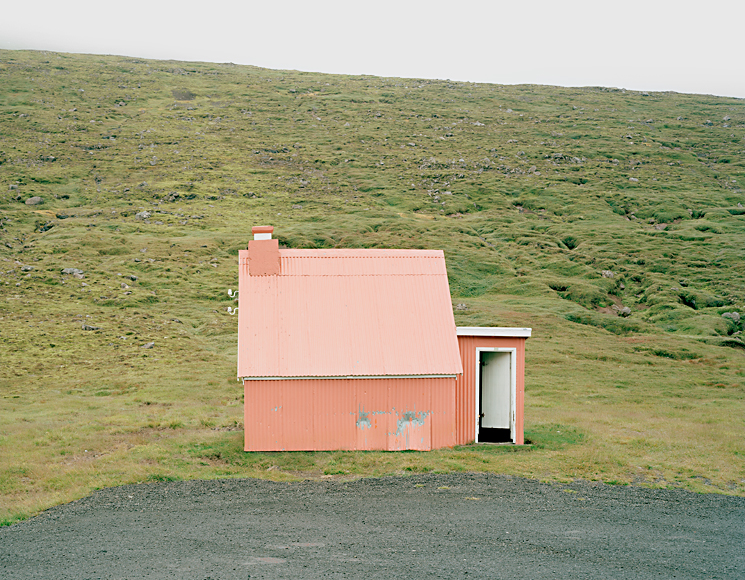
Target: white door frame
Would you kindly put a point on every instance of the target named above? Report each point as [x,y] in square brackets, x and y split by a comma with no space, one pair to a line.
[513,386]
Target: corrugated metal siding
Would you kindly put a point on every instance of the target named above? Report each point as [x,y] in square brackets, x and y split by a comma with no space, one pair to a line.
[363,414]
[348,316]
[465,388]
[443,417]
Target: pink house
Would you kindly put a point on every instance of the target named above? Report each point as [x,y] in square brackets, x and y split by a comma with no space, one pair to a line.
[358,349]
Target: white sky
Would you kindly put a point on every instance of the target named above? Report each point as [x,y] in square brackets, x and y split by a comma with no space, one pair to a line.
[653,45]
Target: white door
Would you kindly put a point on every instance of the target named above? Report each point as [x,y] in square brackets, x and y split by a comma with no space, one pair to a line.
[496,375]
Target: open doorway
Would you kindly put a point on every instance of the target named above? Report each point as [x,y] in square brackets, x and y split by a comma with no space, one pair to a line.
[496,396]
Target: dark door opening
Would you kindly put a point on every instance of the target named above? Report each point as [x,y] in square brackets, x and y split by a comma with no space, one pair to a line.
[494,397]
[487,435]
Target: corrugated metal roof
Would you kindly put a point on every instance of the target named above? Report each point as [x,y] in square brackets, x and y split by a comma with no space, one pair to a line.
[347,313]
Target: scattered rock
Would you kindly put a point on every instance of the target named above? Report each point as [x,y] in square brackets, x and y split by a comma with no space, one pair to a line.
[607,274]
[26,268]
[36,200]
[147,345]
[143,250]
[660,227]
[297,207]
[133,278]
[12,187]
[621,310]
[87,327]
[176,320]
[633,179]
[72,271]
[461,306]
[143,215]
[734,316]
[124,285]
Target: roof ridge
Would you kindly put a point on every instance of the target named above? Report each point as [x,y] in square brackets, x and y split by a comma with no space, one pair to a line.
[385,274]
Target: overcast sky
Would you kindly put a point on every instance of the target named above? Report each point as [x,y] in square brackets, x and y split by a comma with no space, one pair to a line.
[653,45]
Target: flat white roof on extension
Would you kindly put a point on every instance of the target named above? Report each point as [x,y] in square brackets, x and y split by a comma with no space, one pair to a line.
[494,331]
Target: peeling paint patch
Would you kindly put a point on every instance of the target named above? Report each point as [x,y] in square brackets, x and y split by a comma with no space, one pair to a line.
[363,419]
[410,419]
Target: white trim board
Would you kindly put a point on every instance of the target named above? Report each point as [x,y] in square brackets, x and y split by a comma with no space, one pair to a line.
[503,331]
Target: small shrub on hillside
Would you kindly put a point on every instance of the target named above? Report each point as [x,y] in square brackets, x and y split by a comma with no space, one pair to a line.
[570,242]
[620,326]
[698,300]
[586,295]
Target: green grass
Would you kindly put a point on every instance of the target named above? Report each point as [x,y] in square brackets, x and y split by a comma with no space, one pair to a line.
[527,189]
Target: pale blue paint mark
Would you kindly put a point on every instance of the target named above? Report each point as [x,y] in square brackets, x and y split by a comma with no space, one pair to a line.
[363,419]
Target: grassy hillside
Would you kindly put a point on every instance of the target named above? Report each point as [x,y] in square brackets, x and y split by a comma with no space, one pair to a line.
[609,221]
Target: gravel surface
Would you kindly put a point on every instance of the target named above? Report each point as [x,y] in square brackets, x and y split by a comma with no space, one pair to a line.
[432,526]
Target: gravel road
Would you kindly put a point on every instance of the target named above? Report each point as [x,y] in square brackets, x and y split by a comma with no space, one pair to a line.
[431,526]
